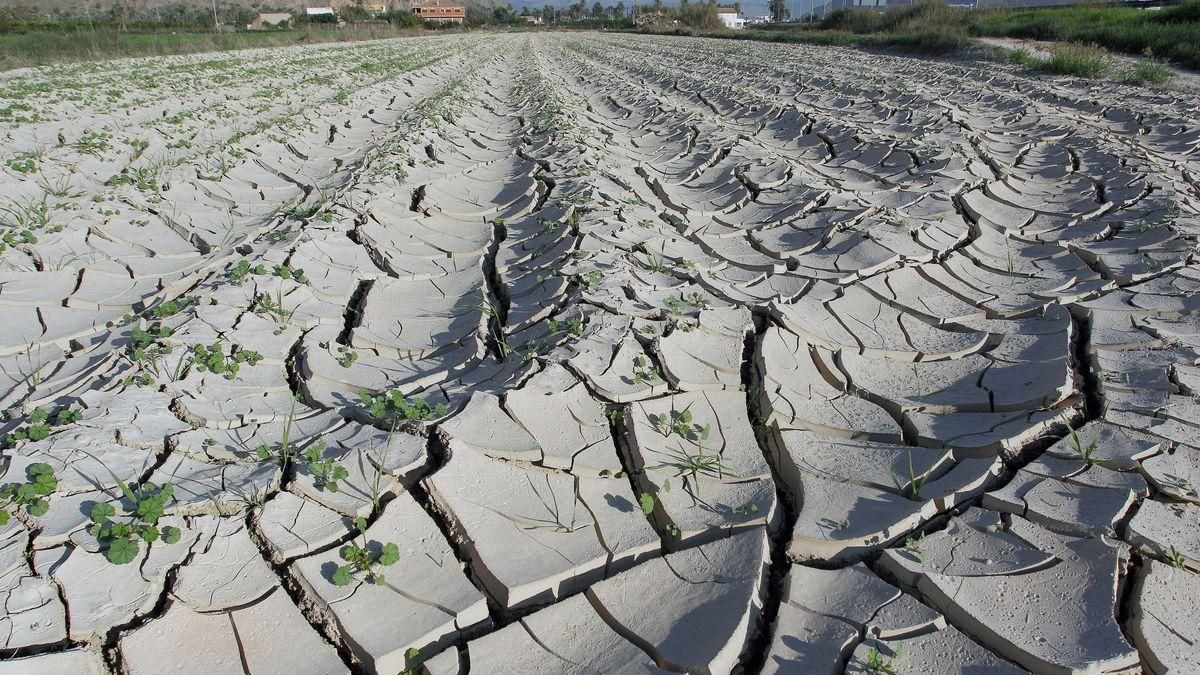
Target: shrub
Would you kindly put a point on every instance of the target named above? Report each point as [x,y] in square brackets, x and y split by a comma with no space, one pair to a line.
[1147,72]
[1077,60]
[853,20]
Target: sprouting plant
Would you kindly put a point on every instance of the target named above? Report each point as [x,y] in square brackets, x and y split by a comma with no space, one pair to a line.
[92,143]
[495,319]
[40,424]
[1176,558]
[644,372]
[119,535]
[877,663]
[294,273]
[24,162]
[657,262]
[646,501]
[572,326]
[695,465]
[20,220]
[394,406]
[58,187]
[173,307]
[413,656]
[346,356]
[212,358]
[1084,453]
[272,306]
[238,273]
[914,545]
[326,472]
[1011,266]
[32,495]
[682,304]
[278,234]
[287,452]
[365,559]
[911,488]
[680,423]
[587,279]
[303,210]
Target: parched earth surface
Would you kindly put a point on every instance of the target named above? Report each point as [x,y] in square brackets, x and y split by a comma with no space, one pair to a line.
[579,353]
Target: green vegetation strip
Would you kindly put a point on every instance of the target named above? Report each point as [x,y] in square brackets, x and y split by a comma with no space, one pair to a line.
[1172,33]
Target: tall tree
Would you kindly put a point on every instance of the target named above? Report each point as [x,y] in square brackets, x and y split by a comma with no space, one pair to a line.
[779,10]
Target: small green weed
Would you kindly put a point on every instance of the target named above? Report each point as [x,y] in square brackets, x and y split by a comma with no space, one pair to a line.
[363,560]
[32,495]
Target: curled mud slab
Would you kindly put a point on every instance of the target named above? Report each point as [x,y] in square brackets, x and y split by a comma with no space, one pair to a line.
[605,354]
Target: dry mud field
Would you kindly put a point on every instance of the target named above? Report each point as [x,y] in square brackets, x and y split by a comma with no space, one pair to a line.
[574,353]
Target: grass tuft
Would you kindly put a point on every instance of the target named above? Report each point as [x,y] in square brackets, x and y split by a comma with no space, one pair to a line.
[1078,60]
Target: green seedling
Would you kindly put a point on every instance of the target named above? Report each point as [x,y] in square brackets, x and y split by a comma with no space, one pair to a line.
[239,272]
[647,502]
[697,464]
[680,423]
[394,407]
[645,372]
[913,544]
[287,452]
[346,356]
[587,279]
[413,656]
[40,425]
[912,488]
[877,663]
[172,307]
[362,561]
[272,306]
[685,303]
[295,274]
[325,471]
[657,262]
[1085,453]
[212,358]
[1176,559]
[32,496]
[119,535]
[572,326]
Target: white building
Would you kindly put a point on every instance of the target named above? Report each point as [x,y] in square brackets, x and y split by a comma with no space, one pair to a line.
[730,17]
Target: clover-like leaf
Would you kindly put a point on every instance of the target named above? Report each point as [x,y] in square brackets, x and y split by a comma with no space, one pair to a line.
[121,551]
[171,535]
[647,502]
[102,512]
[343,576]
[390,555]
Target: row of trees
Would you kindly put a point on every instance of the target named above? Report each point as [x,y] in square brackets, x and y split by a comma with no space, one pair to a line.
[134,13]
[701,14]
[178,14]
